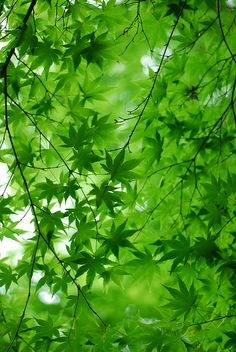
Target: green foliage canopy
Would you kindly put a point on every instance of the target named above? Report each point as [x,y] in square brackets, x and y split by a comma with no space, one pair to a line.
[118,140]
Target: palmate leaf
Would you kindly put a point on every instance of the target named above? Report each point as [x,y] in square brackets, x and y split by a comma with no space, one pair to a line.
[78,138]
[92,89]
[50,189]
[102,127]
[77,51]
[115,274]
[84,234]
[91,265]
[48,278]
[145,261]
[45,329]
[108,195]
[154,339]
[78,212]
[84,158]
[183,300]
[51,222]
[180,252]
[63,190]
[7,276]
[117,175]
[176,9]
[155,147]
[4,208]
[98,50]
[46,56]
[120,169]
[206,248]
[231,343]
[118,237]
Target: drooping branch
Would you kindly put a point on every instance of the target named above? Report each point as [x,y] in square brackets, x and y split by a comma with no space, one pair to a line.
[156,75]
[222,31]
[18,165]
[213,320]
[71,172]
[4,67]
[39,233]
[33,257]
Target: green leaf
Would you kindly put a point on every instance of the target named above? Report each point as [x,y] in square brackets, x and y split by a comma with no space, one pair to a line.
[184,300]
[118,238]
[180,252]
[4,209]
[7,277]
[117,176]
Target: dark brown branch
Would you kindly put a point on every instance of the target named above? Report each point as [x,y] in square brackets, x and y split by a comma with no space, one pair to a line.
[222,31]
[155,77]
[32,206]
[33,257]
[232,100]
[191,162]
[35,215]
[12,51]
[213,320]
[71,172]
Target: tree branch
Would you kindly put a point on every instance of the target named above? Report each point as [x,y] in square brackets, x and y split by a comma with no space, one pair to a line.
[212,320]
[146,101]
[222,31]
[12,51]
